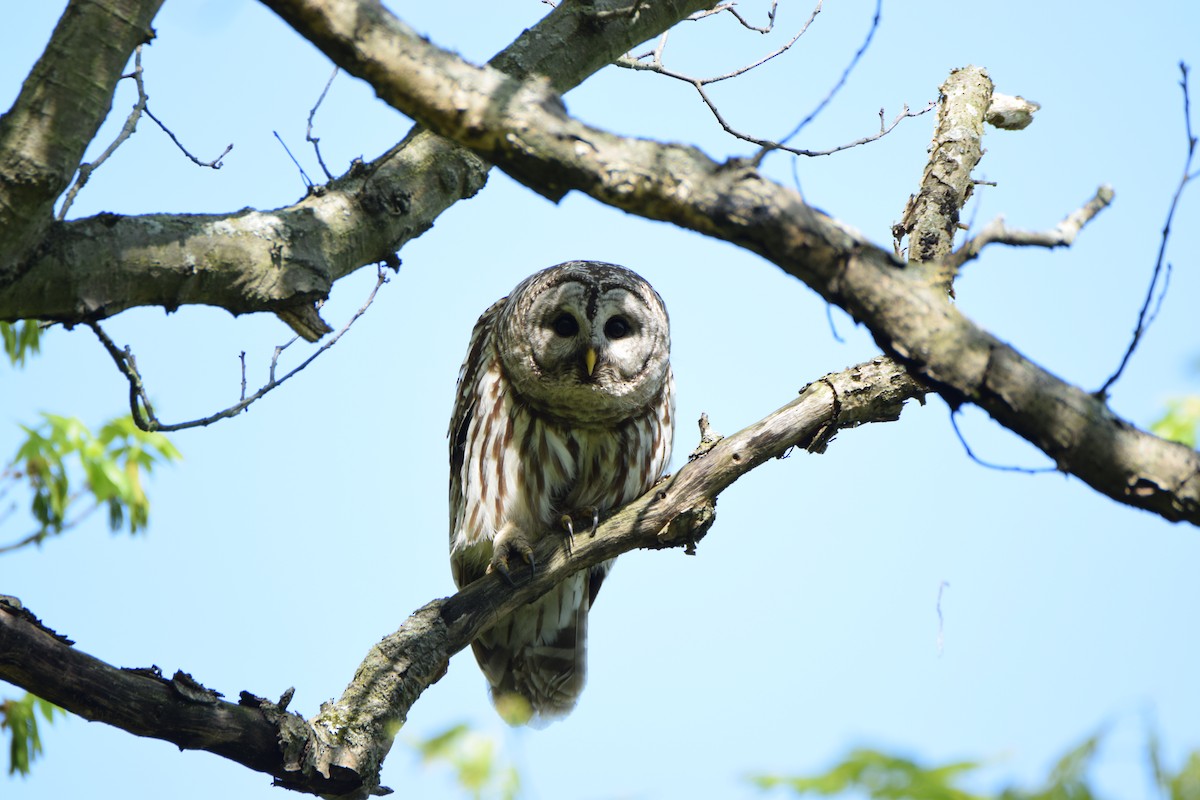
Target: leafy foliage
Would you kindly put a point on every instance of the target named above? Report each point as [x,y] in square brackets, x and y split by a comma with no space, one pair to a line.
[62,453]
[879,775]
[478,764]
[21,341]
[882,776]
[1181,420]
[19,717]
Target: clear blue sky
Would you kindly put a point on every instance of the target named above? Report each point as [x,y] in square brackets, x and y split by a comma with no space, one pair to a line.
[295,536]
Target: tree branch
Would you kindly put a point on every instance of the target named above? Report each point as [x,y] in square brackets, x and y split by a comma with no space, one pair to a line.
[1062,235]
[523,128]
[57,113]
[286,259]
[931,217]
[341,749]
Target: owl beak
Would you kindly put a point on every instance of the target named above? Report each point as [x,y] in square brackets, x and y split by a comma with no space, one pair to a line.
[589,360]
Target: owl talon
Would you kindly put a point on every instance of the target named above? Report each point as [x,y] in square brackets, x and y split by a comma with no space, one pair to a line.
[568,522]
[507,555]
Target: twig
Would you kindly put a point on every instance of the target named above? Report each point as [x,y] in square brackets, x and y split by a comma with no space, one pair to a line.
[1145,315]
[127,130]
[40,536]
[768,145]
[656,62]
[988,464]
[1062,235]
[316,142]
[845,75]
[770,17]
[308,182]
[139,402]
[214,164]
[242,358]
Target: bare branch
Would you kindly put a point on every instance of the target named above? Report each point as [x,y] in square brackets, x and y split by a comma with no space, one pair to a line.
[769,145]
[656,65]
[340,750]
[316,142]
[931,216]
[858,54]
[127,130]
[39,536]
[990,464]
[276,260]
[139,401]
[308,182]
[1062,235]
[1144,315]
[214,164]
[57,114]
[525,130]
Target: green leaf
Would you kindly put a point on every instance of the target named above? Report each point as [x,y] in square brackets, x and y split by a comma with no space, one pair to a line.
[20,342]
[20,719]
[63,463]
[879,775]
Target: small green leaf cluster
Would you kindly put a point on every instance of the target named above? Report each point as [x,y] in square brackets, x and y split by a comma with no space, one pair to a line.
[885,776]
[62,461]
[19,717]
[20,341]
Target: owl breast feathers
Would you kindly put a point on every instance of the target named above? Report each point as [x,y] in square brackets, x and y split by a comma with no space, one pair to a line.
[565,406]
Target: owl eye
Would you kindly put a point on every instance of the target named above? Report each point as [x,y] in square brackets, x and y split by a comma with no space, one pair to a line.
[565,325]
[616,328]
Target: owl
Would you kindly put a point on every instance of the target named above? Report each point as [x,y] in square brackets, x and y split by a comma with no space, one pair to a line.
[564,411]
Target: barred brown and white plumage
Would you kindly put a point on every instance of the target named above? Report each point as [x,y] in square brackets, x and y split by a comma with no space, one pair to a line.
[565,405]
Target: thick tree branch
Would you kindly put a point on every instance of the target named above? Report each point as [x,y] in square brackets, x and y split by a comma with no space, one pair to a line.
[341,749]
[58,111]
[931,218]
[524,129]
[284,260]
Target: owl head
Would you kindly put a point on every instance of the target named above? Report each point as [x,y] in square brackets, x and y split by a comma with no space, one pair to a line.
[585,341]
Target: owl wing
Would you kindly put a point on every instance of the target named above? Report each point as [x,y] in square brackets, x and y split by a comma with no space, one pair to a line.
[478,356]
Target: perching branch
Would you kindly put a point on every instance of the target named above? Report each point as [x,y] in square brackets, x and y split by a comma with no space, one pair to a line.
[341,749]
[523,128]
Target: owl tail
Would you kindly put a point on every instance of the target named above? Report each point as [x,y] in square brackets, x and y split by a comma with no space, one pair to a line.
[536,660]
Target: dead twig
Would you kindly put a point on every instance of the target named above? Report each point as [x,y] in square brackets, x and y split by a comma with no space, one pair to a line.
[139,402]
[85,170]
[1062,235]
[1161,269]
[316,142]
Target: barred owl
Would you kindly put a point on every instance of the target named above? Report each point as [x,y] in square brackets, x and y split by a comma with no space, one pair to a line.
[564,411]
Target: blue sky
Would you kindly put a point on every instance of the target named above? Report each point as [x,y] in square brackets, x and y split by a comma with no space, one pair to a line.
[293,537]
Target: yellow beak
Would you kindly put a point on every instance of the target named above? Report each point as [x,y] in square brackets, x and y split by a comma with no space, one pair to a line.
[589,360]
